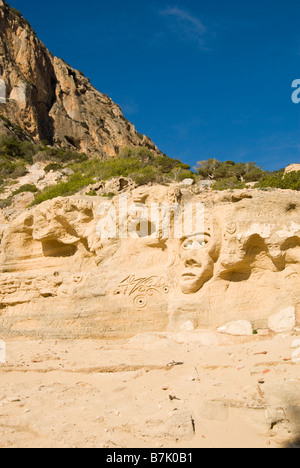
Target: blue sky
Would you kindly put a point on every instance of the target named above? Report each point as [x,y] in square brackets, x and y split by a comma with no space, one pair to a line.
[201,78]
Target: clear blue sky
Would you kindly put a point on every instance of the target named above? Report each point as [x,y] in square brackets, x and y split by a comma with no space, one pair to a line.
[201,78]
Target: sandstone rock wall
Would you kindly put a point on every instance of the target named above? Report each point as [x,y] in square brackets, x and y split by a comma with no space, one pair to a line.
[62,276]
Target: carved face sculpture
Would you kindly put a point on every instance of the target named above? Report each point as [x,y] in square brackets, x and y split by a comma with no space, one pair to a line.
[199,253]
[274,244]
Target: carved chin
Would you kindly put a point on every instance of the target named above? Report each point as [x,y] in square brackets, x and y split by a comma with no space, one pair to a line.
[192,283]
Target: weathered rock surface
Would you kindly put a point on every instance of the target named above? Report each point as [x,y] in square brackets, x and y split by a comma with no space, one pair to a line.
[81,266]
[238,328]
[292,168]
[284,320]
[283,408]
[51,101]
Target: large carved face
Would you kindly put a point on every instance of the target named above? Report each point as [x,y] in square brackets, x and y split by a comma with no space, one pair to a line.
[199,253]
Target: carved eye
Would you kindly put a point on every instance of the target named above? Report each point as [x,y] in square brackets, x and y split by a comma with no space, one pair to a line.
[194,244]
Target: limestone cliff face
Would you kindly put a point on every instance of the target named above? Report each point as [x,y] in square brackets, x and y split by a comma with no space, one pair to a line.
[52,101]
[65,271]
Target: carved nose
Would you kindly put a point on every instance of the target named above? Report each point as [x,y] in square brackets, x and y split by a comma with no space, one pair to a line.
[191,262]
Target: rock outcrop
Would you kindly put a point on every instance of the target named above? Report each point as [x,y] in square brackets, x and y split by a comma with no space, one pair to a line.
[292,168]
[149,260]
[92,267]
[51,101]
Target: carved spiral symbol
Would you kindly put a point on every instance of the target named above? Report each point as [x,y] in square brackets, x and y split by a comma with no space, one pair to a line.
[140,302]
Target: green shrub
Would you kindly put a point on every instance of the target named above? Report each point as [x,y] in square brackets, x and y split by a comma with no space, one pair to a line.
[53,167]
[18,131]
[12,170]
[145,176]
[6,203]
[12,148]
[25,188]
[5,120]
[104,170]
[228,183]
[75,183]
[142,154]
[206,169]
[19,170]
[184,174]
[139,164]
[109,195]
[217,170]
[28,150]
[166,165]
[92,193]
[280,180]
[63,156]
[290,207]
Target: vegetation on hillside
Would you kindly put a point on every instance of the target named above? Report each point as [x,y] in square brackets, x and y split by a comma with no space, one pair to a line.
[280,180]
[17,154]
[231,175]
[139,164]
[217,170]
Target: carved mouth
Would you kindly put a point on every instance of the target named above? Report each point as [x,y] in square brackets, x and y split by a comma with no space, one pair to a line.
[276,254]
[189,274]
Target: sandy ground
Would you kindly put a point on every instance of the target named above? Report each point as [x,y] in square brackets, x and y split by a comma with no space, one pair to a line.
[197,389]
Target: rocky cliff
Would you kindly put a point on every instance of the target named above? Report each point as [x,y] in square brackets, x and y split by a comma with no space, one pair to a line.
[51,101]
[88,267]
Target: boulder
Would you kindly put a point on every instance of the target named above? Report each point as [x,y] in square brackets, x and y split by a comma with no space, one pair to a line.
[292,168]
[283,407]
[296,356]
[238,328]
[188,182]
[187,326]
[283,321]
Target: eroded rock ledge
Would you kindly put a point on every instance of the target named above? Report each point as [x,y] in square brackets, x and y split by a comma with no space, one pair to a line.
[61,277]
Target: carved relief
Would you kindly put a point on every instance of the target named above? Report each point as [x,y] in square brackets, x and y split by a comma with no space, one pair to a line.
[243,264]
[22,289]
[199,252]
[141,289]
